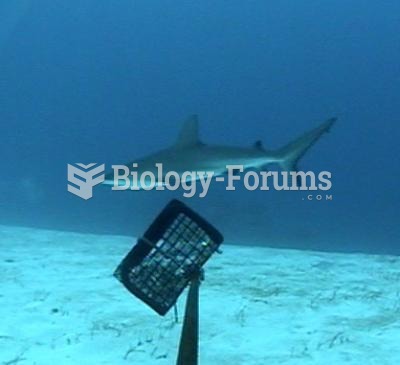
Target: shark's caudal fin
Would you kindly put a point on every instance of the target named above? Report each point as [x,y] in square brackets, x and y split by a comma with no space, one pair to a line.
[294,151]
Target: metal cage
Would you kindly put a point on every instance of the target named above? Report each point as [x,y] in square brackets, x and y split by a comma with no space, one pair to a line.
[171,252]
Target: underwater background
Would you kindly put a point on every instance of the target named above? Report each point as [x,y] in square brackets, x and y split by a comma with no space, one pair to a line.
[109,82]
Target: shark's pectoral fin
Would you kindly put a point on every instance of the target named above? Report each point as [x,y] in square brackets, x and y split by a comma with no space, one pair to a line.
[189,134]
[233,172]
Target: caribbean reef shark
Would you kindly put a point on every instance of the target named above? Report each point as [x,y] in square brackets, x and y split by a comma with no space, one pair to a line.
[190,154]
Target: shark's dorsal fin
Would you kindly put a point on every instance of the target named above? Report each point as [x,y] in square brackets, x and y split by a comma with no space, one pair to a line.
[258,145]
[189,134]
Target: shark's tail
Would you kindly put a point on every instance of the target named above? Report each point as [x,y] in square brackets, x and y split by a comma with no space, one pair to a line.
[290,154]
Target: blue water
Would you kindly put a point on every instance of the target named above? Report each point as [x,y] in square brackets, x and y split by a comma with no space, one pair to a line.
[107,82]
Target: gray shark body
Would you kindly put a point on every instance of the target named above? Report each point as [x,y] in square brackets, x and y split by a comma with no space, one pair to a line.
[190,154]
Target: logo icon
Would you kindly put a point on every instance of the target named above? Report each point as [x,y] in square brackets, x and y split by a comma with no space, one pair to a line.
[82,178]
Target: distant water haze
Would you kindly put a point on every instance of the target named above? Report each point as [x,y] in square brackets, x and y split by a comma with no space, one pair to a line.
[11,14]
[89,81]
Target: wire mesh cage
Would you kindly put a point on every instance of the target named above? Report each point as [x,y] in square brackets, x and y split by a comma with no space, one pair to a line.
[174,249]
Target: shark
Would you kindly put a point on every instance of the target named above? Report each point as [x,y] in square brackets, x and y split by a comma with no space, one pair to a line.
[189,153]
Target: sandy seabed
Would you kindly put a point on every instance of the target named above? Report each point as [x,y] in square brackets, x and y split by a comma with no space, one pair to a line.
[60,304]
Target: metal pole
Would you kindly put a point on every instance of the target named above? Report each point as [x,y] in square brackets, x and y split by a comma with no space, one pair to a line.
[189,344]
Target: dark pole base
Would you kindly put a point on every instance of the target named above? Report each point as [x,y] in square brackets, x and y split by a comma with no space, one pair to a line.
[189,344]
